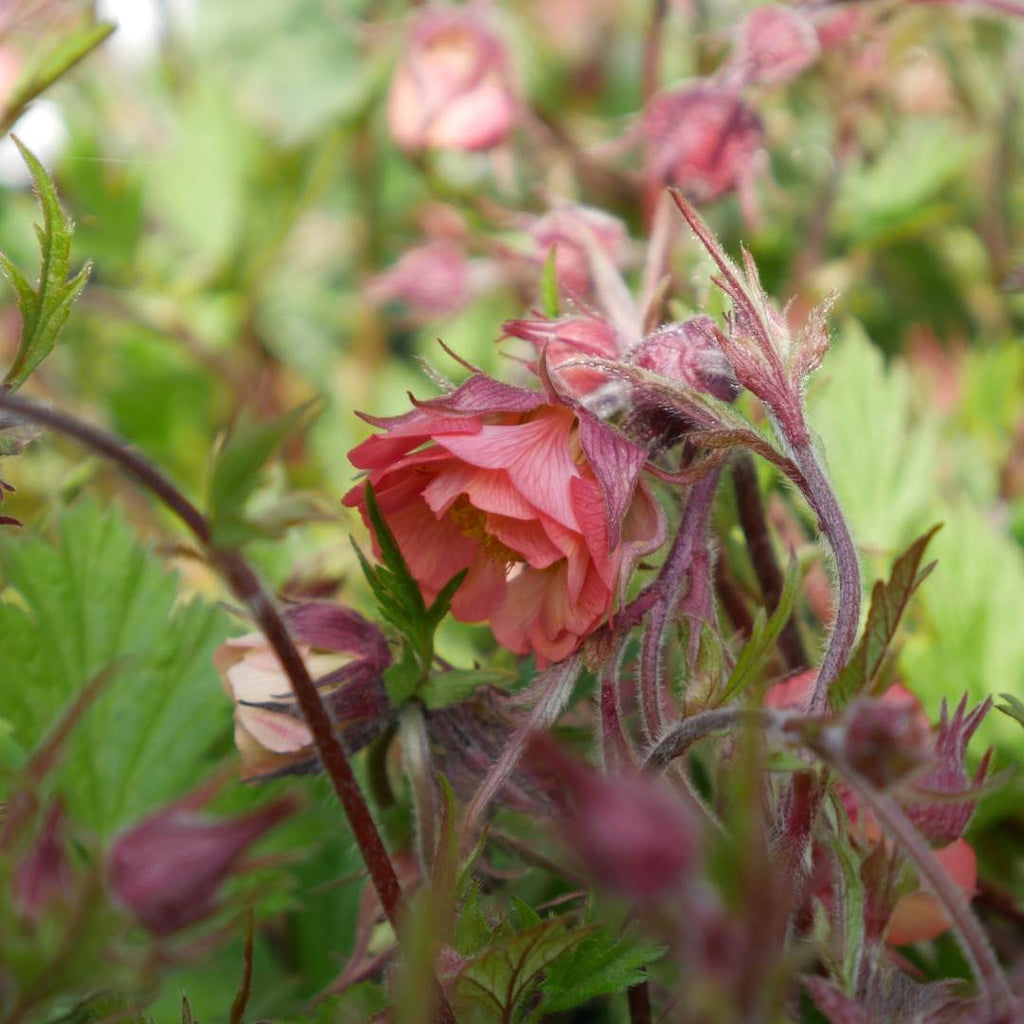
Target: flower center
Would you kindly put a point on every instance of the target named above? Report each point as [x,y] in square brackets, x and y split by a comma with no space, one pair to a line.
[472,523]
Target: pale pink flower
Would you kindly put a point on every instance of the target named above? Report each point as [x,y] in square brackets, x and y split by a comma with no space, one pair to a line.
[542,503]
[346,656]
[702,138]
[453,88]
[433,280]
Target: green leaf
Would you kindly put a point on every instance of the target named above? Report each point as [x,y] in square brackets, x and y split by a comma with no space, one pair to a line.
[549,285]
[45,309]
[506,972]
[402,678]
[888,602]
[75,604]
[66,55]
[443,602]
[402,597]
[1013,707]
[602,964]
[758,649]
[445,688]
[236,470]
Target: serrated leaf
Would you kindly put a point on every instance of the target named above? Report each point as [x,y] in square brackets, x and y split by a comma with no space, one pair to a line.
[1013,707]
[888,602]
[549,284]
[504,974]
[236,470]
[44,309]
[602,964]
[443,602]
[402,678]
[472,932]
[765,632]
[446,688]
[77,603]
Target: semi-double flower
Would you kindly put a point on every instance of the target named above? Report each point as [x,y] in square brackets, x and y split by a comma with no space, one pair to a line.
[539,500]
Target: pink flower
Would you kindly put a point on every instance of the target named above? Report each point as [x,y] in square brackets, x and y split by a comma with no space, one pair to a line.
[774,45]
[542,503]
[572,231]
[702,138]
[570,339]
[168,868]
[344,653]
[433,280]
[452,89]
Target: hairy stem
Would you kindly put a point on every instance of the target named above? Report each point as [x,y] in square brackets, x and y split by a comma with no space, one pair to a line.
[696,727]
[832,524]
[754,524]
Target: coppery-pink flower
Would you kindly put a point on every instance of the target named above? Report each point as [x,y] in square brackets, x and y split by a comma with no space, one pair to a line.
[702,138]
[541,502]
[452,88]
[689,352]
[434,279]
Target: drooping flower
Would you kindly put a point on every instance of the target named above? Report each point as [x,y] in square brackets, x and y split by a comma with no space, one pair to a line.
[434,279]
[702,138]
[572,231]
[774,45]
[542,503]
[168,868]
[453,88]
[689,352]
[345,655]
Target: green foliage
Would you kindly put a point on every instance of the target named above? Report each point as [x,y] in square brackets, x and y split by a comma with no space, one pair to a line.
[445,688]
[1012,707]
[605,962]
[761,645]
[400,602]
[72,606]
[549,284]
[236,468]
[889,600]
[44,309]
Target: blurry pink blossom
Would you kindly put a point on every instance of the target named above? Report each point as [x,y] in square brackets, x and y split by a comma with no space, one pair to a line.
[773,46]
[542,503]
[702,138]
[433,280]
[452,88]
[571,231]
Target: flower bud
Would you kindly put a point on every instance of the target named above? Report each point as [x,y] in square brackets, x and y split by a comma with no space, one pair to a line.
[571,231]
[703,139]
[44,875]
[633,836]
[452,89]
[774,45]
[943,822]
[689,352]
[884,740]
[167,869]
[432,280]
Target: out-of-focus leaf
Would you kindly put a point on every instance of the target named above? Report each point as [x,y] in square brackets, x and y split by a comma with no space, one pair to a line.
[1012,707]
[45,309]
[881,462]
[65,55]
[445,688]
[888,602]
[236,468]
[758,649]
[78,603]
[549,285]
[603,963]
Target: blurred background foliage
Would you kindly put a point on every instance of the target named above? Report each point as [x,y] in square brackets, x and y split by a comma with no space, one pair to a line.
[230,172]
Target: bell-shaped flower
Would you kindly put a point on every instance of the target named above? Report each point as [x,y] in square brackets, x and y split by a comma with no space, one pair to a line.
[452,88]
[345,655]
[540,501]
